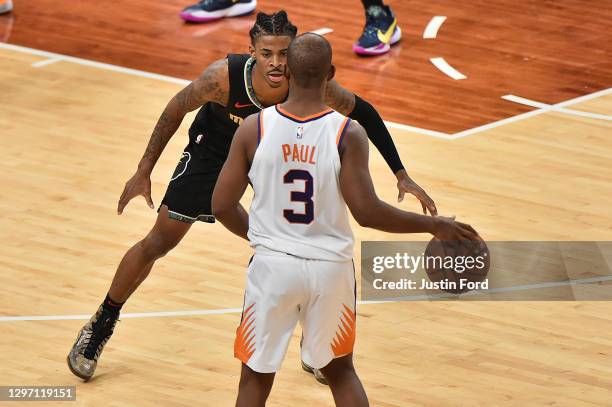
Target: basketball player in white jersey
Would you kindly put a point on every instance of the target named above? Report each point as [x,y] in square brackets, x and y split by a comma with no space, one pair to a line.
[306,163]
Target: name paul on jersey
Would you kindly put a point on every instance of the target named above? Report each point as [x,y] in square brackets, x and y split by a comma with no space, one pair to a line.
[299,153]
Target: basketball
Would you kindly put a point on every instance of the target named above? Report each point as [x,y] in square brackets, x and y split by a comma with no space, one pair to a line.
[457,266]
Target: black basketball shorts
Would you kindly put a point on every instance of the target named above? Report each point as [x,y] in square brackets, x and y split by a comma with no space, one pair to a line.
[189,193]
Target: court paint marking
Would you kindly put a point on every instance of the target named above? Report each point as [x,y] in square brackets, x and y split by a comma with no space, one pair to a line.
[425,132]
[532,113]
[399,126]
[446,69]
[525,287]
[100,65]
[552,108]
[46,62]
[126,315]
[431,31]
[322,31]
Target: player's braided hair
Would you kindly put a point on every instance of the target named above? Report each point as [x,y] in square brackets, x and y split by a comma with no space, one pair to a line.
[272,24]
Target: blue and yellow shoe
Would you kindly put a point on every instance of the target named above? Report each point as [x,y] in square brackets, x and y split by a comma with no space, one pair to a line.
[211,10]
[380,32]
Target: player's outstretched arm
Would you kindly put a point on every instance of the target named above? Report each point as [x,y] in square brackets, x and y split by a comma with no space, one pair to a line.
[358,109]
[369,211]
[211,86]
[233,180]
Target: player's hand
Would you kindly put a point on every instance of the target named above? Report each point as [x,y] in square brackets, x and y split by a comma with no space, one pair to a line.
[406,185]
[139,184]
[448,229]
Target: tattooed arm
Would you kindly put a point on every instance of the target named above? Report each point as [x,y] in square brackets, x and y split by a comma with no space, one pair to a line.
[211,86]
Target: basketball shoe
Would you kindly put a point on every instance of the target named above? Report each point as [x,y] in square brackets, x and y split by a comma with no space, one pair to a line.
[83,357]
[6,6]
[380,32]
[211,10]
[316,372]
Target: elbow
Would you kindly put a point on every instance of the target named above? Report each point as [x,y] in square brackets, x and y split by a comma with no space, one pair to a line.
[365,221]
[217,213]
[366,212]
[220,216]
[218,209]
[363,217]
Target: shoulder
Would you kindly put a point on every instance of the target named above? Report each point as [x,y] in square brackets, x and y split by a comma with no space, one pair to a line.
[249,127]
[251,121]
[217,69]
[356,133]
[355,137]
[213,83]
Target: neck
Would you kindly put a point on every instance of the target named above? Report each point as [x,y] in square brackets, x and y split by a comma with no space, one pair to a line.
[305,101]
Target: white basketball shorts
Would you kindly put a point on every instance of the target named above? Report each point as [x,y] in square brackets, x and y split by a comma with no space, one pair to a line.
[281,290]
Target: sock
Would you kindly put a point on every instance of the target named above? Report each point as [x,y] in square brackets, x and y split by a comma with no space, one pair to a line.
[112,306]
[369,3]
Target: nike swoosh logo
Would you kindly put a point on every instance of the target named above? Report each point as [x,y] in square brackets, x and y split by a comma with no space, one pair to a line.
[239,106]
[386,37]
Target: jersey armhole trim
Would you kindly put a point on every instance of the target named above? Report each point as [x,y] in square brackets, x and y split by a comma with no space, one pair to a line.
[342,131]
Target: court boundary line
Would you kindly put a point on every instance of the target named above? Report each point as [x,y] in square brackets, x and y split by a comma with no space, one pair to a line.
[46,62]
[420,297]
[389,124]
[532,113]
[544,106]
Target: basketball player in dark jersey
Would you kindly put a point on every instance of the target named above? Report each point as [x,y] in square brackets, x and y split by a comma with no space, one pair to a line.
[228,90]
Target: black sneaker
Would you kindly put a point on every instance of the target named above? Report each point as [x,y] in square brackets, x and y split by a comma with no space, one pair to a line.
[83,357]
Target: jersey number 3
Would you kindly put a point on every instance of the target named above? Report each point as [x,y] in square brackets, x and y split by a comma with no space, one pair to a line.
[304,196]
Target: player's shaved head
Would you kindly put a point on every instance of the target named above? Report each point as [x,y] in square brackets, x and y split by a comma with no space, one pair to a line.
[309,59]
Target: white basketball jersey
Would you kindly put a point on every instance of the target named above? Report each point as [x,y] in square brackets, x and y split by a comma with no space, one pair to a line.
[298,207]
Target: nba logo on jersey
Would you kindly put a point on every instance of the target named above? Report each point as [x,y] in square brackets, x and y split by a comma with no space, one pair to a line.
[199,138]
[300,132]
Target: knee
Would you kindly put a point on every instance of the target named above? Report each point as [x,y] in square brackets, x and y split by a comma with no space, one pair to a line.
[156,245]
[257,385]
[250,377]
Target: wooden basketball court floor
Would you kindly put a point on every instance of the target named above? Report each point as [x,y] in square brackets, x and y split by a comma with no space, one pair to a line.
[72,132]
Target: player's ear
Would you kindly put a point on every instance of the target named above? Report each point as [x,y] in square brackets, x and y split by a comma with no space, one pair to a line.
[252,50]
[332,73]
